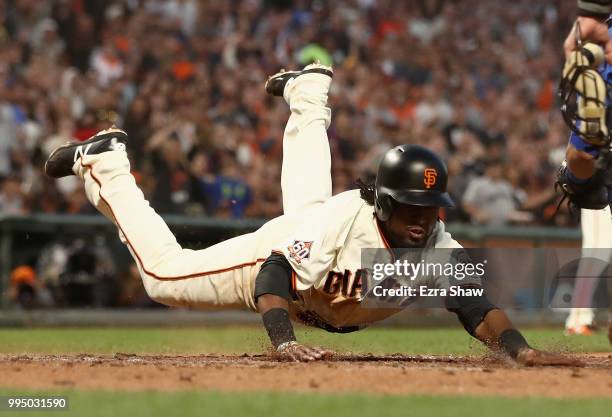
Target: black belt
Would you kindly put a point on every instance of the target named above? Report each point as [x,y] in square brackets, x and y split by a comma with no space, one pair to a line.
[312,319]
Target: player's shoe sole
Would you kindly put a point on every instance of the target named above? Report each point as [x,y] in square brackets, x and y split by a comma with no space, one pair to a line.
[60,162]
[584,330]
[275,85]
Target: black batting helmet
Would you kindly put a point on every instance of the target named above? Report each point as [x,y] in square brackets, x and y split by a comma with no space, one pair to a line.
[410,174]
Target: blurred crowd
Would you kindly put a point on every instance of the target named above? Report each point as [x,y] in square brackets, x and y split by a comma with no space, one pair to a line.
[77,272]
[470,79]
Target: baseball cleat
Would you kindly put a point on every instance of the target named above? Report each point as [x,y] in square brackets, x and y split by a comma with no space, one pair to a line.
[275,85]
[584,330]
[60,162]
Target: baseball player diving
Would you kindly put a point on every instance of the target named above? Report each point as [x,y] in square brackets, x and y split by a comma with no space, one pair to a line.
[306,264]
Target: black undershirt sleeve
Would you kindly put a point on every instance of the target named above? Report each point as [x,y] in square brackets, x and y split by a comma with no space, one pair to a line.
[274,277]
[471,310]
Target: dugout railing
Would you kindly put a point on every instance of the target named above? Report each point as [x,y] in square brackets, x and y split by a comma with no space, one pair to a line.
[22,237]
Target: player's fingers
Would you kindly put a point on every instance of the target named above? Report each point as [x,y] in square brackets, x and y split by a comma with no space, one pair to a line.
[539,358]
[323,353]
[314,352]
[328,354]
[608,51]
[296,353]
[318,353]
[301,353]
[304,354]
[570,42]
[559,360]
[287,356]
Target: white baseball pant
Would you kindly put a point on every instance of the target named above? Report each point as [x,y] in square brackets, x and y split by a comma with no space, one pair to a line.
[596,234]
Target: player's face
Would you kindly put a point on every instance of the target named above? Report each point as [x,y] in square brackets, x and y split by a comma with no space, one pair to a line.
[410,226]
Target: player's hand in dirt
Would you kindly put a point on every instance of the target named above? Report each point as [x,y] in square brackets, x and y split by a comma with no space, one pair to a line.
[533,357]
[297,352]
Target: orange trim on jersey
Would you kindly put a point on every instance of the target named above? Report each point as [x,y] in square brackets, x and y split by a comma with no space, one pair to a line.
[382,235]
[384,238]
[161,278]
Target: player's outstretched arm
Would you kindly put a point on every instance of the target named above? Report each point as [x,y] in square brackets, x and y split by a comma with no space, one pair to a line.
[498,333]
[490,325]
[272,294]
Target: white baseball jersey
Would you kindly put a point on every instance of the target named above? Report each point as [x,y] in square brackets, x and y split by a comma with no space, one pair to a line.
[325,253]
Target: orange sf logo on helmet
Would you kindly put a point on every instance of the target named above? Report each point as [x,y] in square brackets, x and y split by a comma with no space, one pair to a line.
[429,179]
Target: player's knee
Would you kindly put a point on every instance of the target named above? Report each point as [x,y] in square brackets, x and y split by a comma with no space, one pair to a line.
[152,290]
[158,291]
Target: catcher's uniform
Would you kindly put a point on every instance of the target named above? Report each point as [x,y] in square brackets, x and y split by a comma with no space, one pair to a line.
[596,233]
[320,235]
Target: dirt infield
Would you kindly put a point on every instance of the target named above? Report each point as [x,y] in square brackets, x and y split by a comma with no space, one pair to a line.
[394,374]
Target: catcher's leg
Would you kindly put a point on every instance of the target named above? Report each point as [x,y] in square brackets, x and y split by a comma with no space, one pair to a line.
[587,190]
[306,170]
[212,277]
[596,243]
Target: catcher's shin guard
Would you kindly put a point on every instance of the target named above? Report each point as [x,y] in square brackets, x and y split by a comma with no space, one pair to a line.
[591,195]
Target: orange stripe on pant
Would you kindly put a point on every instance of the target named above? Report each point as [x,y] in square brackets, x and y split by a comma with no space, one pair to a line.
[162,278]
